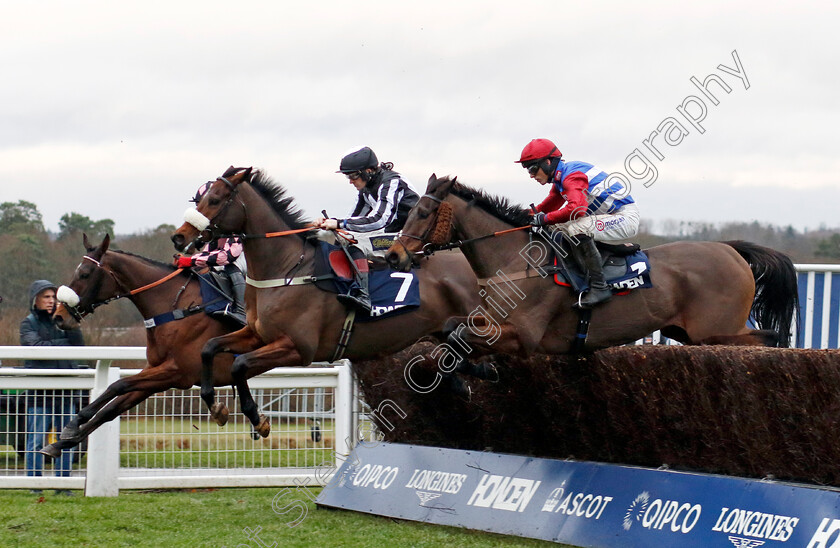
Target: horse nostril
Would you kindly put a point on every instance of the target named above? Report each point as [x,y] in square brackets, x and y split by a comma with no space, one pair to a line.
[178,240]
[393,258]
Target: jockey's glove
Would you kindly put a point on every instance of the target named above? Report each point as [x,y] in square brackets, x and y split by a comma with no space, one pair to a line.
[538,219]
[183,262]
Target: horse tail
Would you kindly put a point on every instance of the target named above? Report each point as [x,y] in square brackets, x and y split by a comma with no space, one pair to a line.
[776,291]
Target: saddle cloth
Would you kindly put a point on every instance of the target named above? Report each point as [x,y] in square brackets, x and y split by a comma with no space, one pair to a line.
[625,266]
[391,292]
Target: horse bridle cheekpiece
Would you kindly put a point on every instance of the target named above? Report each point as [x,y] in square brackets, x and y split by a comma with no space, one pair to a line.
[206,227]
[440,228]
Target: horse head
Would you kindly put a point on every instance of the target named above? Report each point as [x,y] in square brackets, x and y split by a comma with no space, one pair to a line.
[429,224]
[92,285]
[218,210]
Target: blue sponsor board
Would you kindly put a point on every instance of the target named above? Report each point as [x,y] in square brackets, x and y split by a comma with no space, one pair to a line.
[581,503]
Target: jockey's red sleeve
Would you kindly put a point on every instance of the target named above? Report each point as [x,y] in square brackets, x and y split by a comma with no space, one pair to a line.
[575,186]
[553,201]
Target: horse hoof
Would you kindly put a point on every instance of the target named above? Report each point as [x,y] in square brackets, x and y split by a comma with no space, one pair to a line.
[50,451]
[220,413]
[264,427]
[459,387]
[491,373]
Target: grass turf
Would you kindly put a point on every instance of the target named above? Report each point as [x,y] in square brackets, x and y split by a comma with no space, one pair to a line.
[214,518]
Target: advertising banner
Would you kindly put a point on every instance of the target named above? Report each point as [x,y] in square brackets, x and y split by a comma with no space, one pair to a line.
[581,503]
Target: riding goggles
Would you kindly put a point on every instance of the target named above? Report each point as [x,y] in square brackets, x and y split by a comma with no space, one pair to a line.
[532,170]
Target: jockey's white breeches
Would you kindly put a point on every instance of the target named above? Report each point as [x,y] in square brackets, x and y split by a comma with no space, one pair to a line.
[610,227]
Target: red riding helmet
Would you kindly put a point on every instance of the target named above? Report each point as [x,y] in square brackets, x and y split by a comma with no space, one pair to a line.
[538,149]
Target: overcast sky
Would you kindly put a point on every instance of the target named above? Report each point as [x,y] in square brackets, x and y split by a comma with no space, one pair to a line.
[122,109]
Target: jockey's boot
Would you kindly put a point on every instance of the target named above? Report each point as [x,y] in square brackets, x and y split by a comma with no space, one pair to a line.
[237,280]
[358,296]
[237,283]
[599,291]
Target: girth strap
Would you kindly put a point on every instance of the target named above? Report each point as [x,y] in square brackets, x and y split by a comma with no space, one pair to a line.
[284,282]
[344,339]
[174,315]
[521,275]
[584,316]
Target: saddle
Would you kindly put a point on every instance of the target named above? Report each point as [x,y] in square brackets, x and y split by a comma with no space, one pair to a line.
[216,295]
[374,247]
[391,292]
[625,266]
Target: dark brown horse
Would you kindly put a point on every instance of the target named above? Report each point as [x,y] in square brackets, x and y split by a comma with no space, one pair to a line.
[294,325]
[172,349]
[703,292]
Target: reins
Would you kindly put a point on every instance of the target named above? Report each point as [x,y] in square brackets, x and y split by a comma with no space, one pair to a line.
[344,234]
[459,243]
[431,247]
[274,234]
[155,284]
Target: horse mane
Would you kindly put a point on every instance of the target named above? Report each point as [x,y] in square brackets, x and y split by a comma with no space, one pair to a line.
[167,266]
[283,205]
[498,206]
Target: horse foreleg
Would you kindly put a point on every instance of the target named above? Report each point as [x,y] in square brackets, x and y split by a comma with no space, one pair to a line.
[118,397]
[244,340]
[280,353]
[148,381]
[480,336]
[117,406]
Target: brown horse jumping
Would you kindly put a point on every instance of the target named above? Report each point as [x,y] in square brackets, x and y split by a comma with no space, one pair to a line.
[172,348]
[703,292]
[296,324]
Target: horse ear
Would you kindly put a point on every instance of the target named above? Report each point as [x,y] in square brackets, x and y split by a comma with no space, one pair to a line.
[103,247]
[86,243]
[443,186]
[247,174]
[431,184]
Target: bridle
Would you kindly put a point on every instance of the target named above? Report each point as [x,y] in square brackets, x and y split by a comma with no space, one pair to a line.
[441,229]
[80,312]
[207,233]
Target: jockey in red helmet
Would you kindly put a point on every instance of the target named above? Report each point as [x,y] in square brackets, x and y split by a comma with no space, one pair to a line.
[588,205]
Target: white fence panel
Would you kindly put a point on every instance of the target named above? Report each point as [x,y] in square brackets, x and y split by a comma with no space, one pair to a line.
[169,441]
[819,306]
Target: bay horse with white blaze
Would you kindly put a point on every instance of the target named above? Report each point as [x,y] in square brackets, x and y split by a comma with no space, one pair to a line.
[291,323]
[703,292]
[172,348]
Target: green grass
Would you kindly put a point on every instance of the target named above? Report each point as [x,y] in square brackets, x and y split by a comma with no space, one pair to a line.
[213,518]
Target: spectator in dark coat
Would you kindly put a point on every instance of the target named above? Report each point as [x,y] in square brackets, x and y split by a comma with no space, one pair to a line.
[47,409]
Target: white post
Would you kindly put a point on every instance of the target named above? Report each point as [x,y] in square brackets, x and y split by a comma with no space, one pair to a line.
[103,455]
[344,412]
